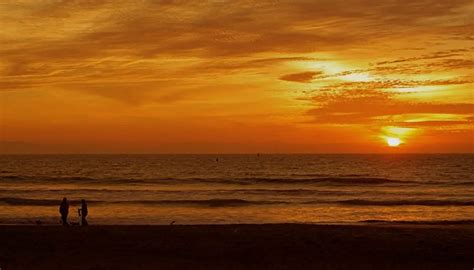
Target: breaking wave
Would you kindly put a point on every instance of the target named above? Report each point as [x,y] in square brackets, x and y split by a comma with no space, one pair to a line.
[408,202]
[217,202]
[236,181]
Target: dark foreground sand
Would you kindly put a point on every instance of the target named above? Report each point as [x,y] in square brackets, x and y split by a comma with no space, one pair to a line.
[279,246]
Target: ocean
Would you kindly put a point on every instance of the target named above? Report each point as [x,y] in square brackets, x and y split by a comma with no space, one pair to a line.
[220,189]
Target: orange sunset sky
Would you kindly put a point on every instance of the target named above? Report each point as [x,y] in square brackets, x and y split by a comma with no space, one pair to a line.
[217,76]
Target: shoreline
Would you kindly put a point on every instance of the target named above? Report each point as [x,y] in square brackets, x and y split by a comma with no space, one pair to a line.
[371,222]
[239,246]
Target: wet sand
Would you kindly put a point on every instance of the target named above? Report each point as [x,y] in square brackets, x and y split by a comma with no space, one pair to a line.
[277,246]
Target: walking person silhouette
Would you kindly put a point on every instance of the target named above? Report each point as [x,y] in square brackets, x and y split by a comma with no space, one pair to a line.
[64,211]
[83,212]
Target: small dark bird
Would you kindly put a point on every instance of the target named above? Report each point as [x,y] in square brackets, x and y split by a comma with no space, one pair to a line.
[172,222]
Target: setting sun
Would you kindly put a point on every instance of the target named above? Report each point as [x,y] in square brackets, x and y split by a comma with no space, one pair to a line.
[393,142]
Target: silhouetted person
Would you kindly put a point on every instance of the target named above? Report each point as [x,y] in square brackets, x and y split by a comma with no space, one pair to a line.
[83,213]
[64,210]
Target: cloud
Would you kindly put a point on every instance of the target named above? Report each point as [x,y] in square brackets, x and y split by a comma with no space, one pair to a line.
[303,77]
[93,30]
[444,60]
[434,55]
[361,105]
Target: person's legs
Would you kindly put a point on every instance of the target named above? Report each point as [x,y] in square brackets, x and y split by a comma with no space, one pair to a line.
[64,219]
[84,221]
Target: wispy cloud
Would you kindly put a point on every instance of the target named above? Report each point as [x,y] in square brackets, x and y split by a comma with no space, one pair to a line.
[303,77]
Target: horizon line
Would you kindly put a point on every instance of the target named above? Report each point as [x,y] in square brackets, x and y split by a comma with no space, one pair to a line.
[250,153]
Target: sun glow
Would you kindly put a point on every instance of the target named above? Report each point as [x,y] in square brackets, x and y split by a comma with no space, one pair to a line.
[393,142]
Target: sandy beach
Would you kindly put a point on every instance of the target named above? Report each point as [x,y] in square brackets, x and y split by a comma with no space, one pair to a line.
[276,246]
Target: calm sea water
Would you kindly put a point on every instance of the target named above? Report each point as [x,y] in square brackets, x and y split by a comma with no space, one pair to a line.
[196,189]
